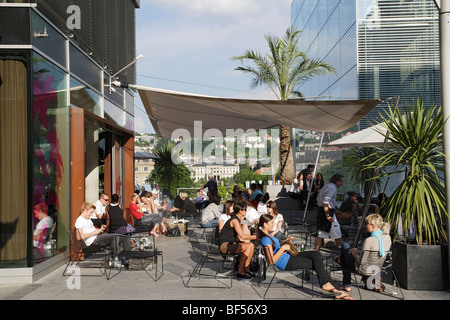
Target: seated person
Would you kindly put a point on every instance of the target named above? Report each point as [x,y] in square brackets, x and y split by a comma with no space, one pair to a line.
[99,217]
[117,223]
[375,246]
[349,210]
[183,207]
[277,254]
[277,232]
[211,214]
[92,235]
[144,222]
[262,204]
[44,224]
[231,241]
[227,212]
[200,200]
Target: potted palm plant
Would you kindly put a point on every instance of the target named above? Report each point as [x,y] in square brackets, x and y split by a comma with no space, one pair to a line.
[417,208]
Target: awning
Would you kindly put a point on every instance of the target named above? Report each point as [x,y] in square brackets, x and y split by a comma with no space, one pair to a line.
[170,110]
[368,137]
[144,155]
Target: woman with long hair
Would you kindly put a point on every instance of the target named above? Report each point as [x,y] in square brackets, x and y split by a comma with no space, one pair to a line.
[226,213]
[232,237]
[272,209]
[280,257]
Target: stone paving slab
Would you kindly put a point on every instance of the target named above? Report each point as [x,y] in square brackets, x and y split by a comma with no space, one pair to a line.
[178,262]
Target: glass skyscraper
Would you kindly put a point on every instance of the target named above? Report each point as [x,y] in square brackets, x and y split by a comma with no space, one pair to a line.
[379,49]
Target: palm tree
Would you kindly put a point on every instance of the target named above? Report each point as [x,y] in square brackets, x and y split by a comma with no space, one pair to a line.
[282,69]
[171,175]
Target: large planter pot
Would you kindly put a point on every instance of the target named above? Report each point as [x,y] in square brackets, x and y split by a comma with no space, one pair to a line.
[421,267]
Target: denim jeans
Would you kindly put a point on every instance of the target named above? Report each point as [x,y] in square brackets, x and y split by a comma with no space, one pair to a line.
[348,263]
[210,224]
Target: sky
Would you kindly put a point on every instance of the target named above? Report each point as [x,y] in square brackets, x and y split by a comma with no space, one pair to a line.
[190,44]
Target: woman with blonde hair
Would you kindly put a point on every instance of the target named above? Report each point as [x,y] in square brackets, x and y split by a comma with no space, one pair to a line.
[375,246]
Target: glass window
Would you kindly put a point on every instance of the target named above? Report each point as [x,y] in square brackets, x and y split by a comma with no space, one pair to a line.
[47,39]
[14,26]
[114,113]
[84,68]
[50,159]
[82,96]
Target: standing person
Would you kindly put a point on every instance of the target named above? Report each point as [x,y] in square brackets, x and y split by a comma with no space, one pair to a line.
[327,223]
[212,187]
[279,256]
[91,235]
[231,241]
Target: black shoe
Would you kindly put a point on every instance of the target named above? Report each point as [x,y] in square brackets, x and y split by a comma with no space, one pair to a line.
[251,274]
[243,276]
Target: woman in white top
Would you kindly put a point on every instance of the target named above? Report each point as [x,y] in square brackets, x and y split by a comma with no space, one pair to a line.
[272,209]
[225,216]
[262,205]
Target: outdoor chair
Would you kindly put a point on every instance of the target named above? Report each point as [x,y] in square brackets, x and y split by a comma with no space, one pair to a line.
[373,273]
[206,255]
[82,254]
[268,265]
[150,256]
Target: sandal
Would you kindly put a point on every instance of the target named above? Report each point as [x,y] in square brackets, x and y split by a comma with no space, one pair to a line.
[337,259]
[343,288]
[343,296]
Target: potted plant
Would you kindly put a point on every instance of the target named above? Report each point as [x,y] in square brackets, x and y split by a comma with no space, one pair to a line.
[417,208]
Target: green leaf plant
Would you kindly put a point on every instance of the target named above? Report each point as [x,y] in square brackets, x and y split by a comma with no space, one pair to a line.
[415,151]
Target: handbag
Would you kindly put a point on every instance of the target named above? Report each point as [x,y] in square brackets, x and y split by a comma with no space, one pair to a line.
[293,249]
[173,232]
[125,230]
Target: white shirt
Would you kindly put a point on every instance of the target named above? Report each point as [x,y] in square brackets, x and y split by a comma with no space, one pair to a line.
[100,209]
[327,195]
[86,226]
[44,224]
[277,219]
[252,214]
[262,208]
[224,217]
[294,187]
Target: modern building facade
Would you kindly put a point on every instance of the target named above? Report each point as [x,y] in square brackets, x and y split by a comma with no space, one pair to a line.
[379,48]
[66,135]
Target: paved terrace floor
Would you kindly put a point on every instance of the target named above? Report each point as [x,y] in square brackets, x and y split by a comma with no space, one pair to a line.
[178,262]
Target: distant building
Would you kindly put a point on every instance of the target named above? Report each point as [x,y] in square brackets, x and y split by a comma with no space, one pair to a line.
[379,49]
[218,171]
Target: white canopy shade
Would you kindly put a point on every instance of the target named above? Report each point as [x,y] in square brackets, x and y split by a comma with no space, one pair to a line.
[368,137]
[171,110]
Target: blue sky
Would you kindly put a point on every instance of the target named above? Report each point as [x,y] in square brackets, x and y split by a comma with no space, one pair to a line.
[190,44]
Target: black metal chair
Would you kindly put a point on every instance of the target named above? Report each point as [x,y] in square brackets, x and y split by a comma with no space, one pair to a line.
[371,275]
[81,254]
[207,253]
[144,258]
[268,265]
